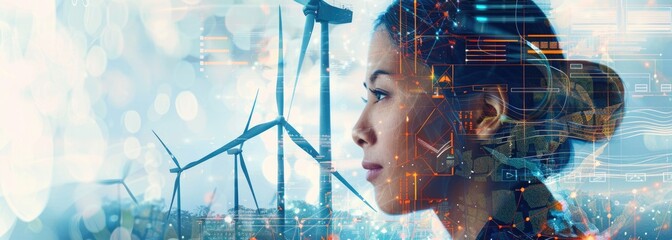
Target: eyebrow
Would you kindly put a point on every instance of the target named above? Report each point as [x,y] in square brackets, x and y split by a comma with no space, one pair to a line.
[375,75]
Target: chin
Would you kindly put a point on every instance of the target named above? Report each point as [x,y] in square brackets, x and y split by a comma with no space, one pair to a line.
[391,210]
[388,204]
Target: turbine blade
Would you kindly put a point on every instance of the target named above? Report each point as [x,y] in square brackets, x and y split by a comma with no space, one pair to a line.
[254,131]
[177,180]
[247,125]
[127,169]
[249,183]
[109,181]
[302,2]
[300,141]
[212,200]
[168,150]
[303,144]
[275,197]
[307,32]
[130,193]
[352,189]
[280,82]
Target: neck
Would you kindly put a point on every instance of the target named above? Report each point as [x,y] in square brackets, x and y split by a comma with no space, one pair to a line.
[518,207]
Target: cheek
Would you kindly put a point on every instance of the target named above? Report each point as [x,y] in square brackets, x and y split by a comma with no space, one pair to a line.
[391,125]
[431,137]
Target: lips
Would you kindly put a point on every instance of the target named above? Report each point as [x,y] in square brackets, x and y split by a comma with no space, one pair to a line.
[373,170]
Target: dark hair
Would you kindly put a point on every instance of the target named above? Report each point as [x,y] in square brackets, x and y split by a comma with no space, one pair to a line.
[479,43]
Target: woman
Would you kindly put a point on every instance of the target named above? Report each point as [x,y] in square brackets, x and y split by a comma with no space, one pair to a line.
[469,108]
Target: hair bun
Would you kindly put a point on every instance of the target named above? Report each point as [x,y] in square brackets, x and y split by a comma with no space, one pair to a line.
[595,105]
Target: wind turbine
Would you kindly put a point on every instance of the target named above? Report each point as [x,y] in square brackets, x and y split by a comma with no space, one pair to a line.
[127,168]
[294,135]
[238,153]
[121,181]
[325,14]
[176,189]
[212,200]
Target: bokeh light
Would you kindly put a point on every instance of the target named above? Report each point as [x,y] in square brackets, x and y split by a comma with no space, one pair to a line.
[132,148]
[132,121]
[94,219]
[162,103]
[186,105]
[85,146]
[7,218]
[270,169]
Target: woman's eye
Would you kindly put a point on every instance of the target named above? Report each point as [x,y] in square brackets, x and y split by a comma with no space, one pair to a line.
[380,95]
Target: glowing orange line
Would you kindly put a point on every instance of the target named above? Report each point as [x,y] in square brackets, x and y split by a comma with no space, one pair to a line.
[544,35]
[486,45]
[487,55]
[225,63]
[486,50]
[216,50]
[546,51]
[486,60]
[499,40]
[415,187]
[216,38]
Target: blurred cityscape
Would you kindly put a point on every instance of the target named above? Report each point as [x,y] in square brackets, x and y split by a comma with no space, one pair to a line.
[623,216]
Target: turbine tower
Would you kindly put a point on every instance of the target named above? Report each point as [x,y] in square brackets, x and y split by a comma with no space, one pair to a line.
[176,189]
[238,154]
[325,14]
[212,200]
[121,181]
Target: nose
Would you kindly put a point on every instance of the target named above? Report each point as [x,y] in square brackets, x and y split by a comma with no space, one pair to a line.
[363,133]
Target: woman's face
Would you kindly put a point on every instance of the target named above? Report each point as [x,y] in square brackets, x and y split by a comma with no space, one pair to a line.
[400,129]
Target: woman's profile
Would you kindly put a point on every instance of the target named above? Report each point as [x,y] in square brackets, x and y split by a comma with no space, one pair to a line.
[470,106]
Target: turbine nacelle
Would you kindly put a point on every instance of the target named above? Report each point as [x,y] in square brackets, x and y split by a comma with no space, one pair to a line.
[234,151]
[110,181]
[326,12]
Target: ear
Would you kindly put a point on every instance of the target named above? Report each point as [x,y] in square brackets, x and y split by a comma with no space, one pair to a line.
[489,112]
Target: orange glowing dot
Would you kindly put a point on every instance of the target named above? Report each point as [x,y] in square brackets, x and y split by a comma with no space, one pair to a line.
[527,219]
[514,225]
[538,234]
[489,218]
[500,226]
[333,237]
[589,238]
[522,189]
[609,215]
